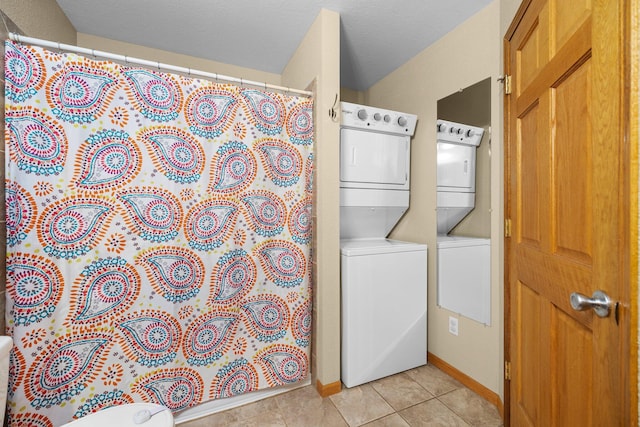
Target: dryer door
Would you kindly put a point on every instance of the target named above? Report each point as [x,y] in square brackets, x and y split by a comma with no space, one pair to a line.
[456,167]
[374,160]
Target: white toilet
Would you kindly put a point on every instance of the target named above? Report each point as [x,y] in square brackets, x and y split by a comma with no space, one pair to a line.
[130,415]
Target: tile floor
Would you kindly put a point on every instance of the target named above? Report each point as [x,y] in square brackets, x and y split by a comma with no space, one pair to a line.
[424,396]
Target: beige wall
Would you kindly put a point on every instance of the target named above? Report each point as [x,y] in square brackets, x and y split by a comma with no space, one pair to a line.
[317,62]
[350,95]
[158,55]
[468,54]
[508,9]
[42,19]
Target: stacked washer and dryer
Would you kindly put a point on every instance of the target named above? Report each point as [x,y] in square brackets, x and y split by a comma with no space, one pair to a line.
[384,281]
[463,262]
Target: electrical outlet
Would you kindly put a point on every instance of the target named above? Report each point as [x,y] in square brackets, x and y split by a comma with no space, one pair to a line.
[453,325]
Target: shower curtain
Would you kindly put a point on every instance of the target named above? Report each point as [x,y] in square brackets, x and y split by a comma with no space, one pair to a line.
[158,236]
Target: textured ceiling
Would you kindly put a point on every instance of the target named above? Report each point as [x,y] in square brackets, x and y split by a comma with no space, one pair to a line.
[376,36]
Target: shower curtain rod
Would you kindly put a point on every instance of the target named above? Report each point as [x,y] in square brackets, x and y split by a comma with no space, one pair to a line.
[152,64]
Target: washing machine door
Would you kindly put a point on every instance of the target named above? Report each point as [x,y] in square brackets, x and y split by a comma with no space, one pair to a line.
[374,160]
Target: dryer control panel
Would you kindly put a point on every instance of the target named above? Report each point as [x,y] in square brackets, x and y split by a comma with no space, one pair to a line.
[459,133]
[377,119]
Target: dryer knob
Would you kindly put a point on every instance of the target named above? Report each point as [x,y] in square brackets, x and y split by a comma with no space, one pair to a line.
[402,121]
[470,133]
[442,127]
[387,118]
[362,114]
[377,117]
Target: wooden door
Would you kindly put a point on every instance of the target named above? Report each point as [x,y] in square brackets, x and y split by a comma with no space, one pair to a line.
[567,192]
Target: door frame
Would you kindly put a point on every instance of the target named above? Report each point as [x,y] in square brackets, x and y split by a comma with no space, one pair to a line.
[630,21]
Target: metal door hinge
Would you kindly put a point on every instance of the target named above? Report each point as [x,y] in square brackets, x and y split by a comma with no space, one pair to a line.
[507,85]
[506,79]
[507,370]
[507,227]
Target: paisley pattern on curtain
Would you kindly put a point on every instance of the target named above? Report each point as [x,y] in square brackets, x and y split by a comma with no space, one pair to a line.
[158,236]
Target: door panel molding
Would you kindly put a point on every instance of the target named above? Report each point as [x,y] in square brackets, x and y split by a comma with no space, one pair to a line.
[571,194]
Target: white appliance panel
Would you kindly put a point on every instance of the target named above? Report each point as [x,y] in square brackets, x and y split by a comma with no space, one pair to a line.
[367,213]
[452,208]
[384,310]
[464,277]
[373,197]
[368,222]
[358,116]
[456,167]
[360,247]
[374,160]
[459,133]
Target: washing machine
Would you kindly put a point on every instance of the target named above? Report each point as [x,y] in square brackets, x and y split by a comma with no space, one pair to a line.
[383,281]
[384,311]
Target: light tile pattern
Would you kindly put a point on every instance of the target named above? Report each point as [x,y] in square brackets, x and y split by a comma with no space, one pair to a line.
[424,396]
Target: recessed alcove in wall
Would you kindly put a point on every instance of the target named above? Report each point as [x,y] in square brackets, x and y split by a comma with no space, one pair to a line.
[472,106]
